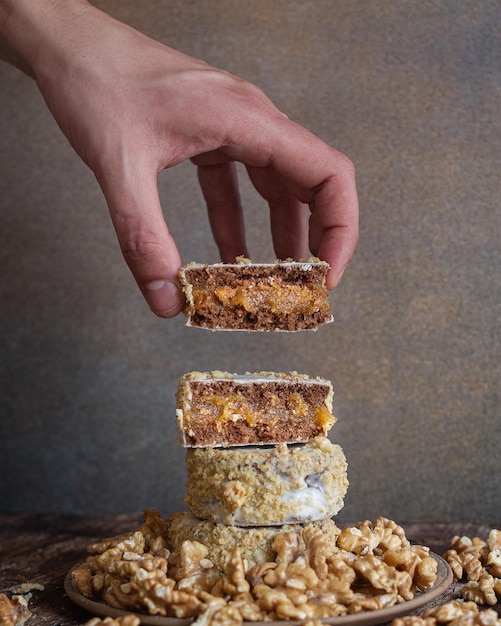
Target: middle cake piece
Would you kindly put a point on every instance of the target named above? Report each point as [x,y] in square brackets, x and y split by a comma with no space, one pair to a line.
[267,485]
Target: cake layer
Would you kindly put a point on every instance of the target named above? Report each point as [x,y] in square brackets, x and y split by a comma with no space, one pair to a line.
[255,543]
[264,486]
[223,409]
[284,295]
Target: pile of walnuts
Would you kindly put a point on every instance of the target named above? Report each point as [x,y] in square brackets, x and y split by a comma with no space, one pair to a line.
[370,566]
[476,563]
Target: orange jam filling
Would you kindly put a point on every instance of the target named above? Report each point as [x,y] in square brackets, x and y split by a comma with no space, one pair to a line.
[235,407]
[276,298]
[270,295]
[324,417]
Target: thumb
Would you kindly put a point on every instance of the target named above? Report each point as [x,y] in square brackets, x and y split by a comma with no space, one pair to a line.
[146,243]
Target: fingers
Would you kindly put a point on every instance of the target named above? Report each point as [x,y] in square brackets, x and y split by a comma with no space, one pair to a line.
[334,229]
[315,174]
[145,241]
[288,217]
[219,186]
[326,180]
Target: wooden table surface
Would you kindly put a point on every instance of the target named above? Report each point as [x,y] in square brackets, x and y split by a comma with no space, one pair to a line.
[42,548]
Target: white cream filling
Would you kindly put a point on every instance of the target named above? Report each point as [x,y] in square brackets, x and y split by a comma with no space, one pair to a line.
[306,504]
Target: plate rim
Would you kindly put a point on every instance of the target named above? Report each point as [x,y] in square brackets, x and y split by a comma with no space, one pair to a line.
[363,618]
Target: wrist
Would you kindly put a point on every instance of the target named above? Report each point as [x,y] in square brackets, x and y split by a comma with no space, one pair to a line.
[28,28]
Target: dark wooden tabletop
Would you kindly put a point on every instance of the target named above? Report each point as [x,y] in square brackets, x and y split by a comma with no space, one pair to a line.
[42,548]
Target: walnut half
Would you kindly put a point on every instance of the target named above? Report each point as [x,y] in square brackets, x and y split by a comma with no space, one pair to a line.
[13,612]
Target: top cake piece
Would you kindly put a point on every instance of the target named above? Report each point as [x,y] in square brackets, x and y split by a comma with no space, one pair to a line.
[278,296]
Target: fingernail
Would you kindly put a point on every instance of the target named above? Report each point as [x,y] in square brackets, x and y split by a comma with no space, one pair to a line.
[163,297]
[331,284]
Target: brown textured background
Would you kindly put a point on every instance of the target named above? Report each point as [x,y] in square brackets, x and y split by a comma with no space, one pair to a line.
[411,91]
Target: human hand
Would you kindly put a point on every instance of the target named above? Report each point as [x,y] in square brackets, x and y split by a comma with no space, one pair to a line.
[132,107]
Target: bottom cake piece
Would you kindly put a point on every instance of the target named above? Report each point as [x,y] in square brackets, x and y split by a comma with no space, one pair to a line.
[263,486]
[255,544]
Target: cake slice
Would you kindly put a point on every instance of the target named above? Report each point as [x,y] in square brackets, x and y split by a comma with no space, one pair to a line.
[222,409]
[267,485]
[278,296]
[256,544]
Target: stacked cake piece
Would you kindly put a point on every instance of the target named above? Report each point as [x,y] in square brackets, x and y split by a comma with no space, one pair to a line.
[257,454]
